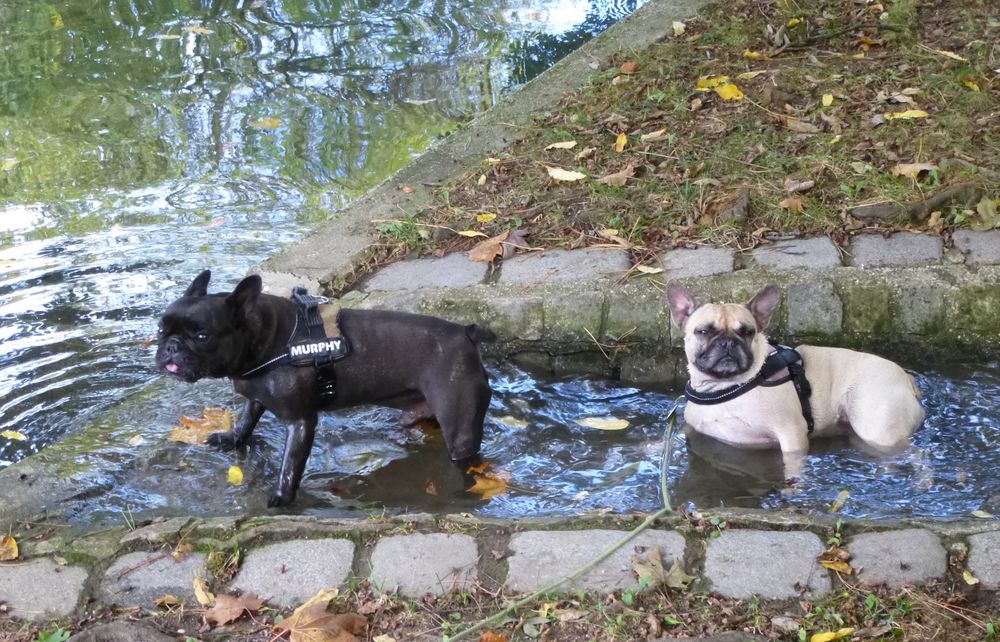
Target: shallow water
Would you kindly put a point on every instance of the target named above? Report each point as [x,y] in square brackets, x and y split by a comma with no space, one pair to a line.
[363,463]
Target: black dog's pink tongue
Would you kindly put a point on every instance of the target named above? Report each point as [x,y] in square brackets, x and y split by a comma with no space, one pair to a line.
[171,367]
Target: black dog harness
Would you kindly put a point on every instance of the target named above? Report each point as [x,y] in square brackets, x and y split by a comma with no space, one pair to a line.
[782,358]
[309,345]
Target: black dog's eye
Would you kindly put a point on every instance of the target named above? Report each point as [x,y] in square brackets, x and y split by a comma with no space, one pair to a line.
[201,337]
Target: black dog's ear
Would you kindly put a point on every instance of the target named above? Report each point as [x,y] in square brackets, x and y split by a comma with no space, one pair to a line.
[681,302]
[245,295]
[199,287]
[764,304]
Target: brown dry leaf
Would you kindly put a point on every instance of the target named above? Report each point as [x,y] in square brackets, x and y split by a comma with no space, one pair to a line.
[204,596]
[517,240]
[311,623]
[629,67]
[652,137]
[407,189]
[618,179]
[584,153]
[8,548]
[792,186]
[488,485]
[478,469]
[912,170]
[229,608]
[195,430]
[431,488]
[800,126]
[651,568]
[793,204]
[834,565]
[490,636]
[166,601]
[489,249]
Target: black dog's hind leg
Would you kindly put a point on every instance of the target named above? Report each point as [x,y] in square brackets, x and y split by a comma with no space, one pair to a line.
[298,442]
[238,436]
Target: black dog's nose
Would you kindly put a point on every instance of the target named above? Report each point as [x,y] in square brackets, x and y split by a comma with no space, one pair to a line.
[171,346]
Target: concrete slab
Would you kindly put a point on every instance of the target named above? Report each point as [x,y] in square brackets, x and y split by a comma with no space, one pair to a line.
[419,564]
[979,248]
[121,632]
[157,532]
[684,263]
[541,557]
[452,271]
[743,563]
[813,309]
[139,579]
[984,558]
[899,250]
[555,266]
[41,589]
[812,254]
[289,573]
[909,556]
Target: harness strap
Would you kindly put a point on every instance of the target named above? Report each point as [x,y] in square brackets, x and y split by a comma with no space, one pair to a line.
[781,358]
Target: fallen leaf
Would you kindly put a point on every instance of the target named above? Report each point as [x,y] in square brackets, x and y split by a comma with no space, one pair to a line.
[566,144]
[266,123]
[946,54]
[488,485]
[8,548]
[706,83]
[584,153]
[792,186]
[13,435]
[489,249]
[198,29]
[470,233]
[651,137]
[560,174]
[912,170]
[516,241]
[793,204]
[485,218]
[837,565]
[383,638]
[794,22]
[621,141]
[832,635]
[729,91]
[603,423]
[195,430]
[986,209]
[136,441]
[982,514]
[969,577]
[478,469]
[754,55]
[8,164]
[970,81]
[648,269]
[229,608]
[827,100]
[800,126]
[166,601]
[407,189]
[490,636]
[431,488]
[839,502]
[750,75]
[618,179]
[906,115]
[311,622]
[513,422]
[679,28]
[629,67]
[235,475]
[201,592]
[482,180]
[834,140]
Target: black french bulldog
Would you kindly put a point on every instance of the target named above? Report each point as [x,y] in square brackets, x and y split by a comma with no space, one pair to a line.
[425,366]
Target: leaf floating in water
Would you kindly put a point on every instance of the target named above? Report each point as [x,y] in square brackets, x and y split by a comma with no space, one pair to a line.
[198,29]
[603,423]
[488,485]
[266,123]
[982,514]
[235,475]
[136,441]
[513,422]
[195,430]
[8,164]
[418,102]
[13,435]
[840,501]
[8,548]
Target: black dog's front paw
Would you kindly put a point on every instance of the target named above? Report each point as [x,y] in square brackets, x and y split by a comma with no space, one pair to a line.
[280,499]
[224,441]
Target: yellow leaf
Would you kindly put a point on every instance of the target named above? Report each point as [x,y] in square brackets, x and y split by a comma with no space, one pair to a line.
[514,422]
[909,113]
[13,435]
[679,28]
[8,548]
[837,565]
[794,22]
[659,134]
[482,180]
[832,635]
[648,269]
[729,92]
[201,592]
[235,475]
[584,153]
[383,638]
[706,83]
[982,514]
[750,75]
[834,140]
[469,233]
[195,430]
[485,218]
[266,123]
[970,82]
[198,29]
[946,54]
[603,423]
[793,204]
[827,100]
[629,67]
[912,170]
[136,441]
[488,485]
[969,577]
[560,174]
[8,164]
[754,55]
[838,503]
[566,144]
[621,141]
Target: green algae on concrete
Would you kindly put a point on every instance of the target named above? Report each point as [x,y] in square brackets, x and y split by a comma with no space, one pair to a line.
[866,309]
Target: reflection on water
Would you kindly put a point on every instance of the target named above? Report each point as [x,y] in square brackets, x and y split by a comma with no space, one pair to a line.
[363,462]
[143,141]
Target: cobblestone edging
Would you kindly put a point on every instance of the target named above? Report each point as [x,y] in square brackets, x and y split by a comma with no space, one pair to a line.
[417,555]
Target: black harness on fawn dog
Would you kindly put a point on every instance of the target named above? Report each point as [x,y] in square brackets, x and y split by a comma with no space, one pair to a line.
[781,358]
[309,345]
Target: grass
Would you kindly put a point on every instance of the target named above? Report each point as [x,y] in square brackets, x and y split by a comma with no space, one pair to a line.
[819,79]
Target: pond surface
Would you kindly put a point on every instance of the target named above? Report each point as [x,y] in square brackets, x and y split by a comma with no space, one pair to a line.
[142,141]
[363,463]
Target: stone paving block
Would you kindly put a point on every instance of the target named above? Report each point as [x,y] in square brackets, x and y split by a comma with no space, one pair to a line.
[541,557]
[588,264]
[289,573]
[984,558]
[813,309]
[744,563]
[121,632]
[419,564]
[574,316]
[899,250]
[909,556]
[919,308]
[516,317]
[157,532]
[451,271]
[139,579]
[979,248]
[813,254]
[637,312]
[41,589]
[684,263]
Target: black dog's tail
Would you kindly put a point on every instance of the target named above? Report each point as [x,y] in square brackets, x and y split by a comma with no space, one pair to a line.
[479,334]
